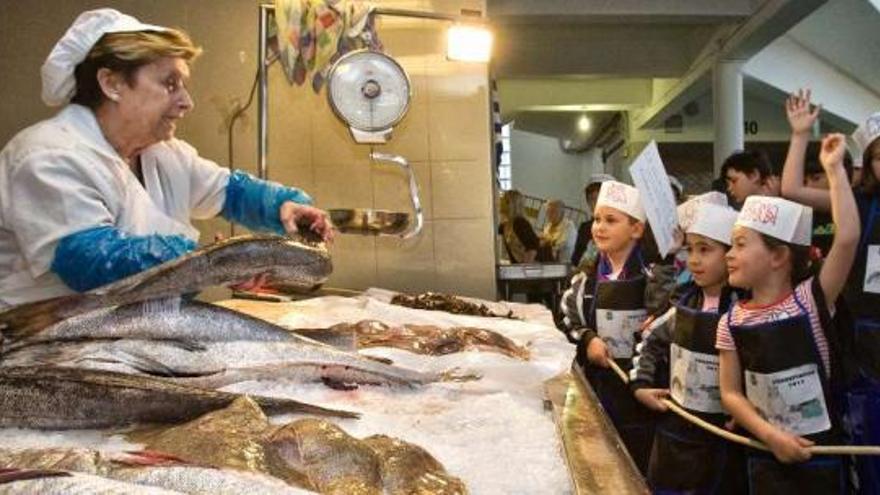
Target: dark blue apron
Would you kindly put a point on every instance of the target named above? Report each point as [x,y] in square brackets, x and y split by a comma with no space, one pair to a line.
[686,458]
[861,401]
[781,346]
[633,421]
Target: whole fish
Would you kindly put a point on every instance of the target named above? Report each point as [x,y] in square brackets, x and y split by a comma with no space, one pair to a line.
[419,339]
[172,319]
[333,461]
[148,468]
[70,398]
[408,469]
[29,482]
[436,301]
[87,344]
[234,260]
[310,453]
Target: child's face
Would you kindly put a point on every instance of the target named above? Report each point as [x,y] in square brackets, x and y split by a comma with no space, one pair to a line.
[749,258]
[613,230]
[706,260]
[741,185]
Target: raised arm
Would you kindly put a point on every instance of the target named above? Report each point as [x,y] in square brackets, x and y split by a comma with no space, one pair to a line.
[801,119]
[847,229]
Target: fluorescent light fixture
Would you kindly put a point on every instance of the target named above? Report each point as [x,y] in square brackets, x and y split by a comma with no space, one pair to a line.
[468,43]
[584,123]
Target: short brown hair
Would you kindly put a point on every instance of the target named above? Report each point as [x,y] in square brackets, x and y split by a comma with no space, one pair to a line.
[126,53]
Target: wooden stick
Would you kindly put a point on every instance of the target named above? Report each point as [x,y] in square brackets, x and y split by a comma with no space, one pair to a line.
[749,442]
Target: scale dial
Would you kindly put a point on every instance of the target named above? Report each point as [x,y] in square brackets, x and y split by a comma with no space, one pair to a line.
[370,92]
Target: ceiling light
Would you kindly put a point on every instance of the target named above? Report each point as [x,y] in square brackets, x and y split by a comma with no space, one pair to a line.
[468,43]
[584,123]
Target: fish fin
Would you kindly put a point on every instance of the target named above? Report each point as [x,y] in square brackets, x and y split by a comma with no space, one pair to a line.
[25,320]
[457,375]
[147,365]
[378,359]
[12,475]
[272,405]
[149,458]
[186,344]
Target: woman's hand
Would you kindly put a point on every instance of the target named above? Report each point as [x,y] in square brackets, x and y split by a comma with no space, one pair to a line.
[651,398]
[597,352]
[293,215]
[788,448]
[800,117]
[832,152]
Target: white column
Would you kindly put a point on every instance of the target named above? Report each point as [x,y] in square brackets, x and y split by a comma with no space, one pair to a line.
[727,98]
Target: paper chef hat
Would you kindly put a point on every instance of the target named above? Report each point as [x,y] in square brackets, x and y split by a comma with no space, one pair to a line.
[713,221]
[59,84]
[621,197]
[779,218]
[687,211]
[865,134]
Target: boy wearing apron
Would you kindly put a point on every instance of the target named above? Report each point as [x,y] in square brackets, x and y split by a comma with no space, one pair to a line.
[604,309]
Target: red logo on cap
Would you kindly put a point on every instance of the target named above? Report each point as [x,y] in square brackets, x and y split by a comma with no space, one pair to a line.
[616,193]
[762,213]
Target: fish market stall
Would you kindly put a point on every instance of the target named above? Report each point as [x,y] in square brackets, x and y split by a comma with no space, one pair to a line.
[525,426]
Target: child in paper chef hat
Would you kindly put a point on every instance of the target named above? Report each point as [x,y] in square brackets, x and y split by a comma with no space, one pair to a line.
[775,360]
[862,293]
[605,308]
[684,337]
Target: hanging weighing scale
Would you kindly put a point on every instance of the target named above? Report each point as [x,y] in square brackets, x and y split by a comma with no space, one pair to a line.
[370,92]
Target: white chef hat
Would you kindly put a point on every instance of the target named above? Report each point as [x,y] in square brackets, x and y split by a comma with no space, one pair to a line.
[687,211]
[865,135]
[779,218]
[59,84]
[621,197]
[713,221]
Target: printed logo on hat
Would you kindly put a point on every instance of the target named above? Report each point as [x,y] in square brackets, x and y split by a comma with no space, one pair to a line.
[779,218]
[760,212]
[616,193]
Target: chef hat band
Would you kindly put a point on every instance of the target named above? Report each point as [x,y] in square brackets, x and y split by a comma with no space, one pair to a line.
[622,197]
[779,218]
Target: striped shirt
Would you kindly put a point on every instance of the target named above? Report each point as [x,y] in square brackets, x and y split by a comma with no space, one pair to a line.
[744,313]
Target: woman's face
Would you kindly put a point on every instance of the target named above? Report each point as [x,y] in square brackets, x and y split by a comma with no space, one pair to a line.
[706,260]
[613,230]
[156,100]
[749,258]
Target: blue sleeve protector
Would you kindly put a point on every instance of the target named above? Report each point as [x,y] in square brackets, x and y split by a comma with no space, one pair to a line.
[255,203]
[95,257]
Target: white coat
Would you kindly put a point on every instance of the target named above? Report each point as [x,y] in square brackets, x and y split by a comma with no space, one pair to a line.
[61,176]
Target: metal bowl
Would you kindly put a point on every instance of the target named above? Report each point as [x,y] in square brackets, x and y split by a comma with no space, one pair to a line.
[367,221]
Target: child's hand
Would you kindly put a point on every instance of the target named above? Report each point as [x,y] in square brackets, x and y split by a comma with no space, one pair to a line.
[788,448]
[800,117]
[651,398]
[833,149]
[597,353]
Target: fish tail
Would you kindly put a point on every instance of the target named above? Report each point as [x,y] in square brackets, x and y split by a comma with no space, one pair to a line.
[283,406]
[25,320]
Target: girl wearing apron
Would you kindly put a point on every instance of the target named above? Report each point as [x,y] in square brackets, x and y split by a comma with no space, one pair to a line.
[680,350]
[860,338]
[604,310]
[775,363]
